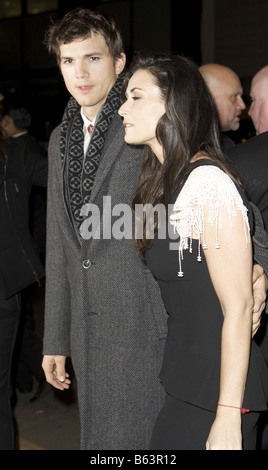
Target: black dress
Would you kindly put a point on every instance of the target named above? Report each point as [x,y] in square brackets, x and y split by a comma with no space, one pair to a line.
[190,372]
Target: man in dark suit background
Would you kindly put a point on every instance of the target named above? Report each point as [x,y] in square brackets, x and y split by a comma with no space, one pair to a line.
[251,157]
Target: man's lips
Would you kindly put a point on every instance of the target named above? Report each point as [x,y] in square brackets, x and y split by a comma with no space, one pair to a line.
[84,88]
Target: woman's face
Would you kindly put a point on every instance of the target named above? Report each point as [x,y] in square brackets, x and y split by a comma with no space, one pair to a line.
[142,110]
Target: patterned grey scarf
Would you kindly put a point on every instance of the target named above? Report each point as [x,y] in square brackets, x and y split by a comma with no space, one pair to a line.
[80,171]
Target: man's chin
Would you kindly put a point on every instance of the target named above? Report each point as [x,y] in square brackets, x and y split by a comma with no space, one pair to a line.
[235,126]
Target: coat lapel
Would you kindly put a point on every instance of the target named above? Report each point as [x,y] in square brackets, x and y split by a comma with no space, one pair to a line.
[113,145]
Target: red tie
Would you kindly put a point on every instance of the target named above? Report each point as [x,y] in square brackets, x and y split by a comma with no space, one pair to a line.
[90,129]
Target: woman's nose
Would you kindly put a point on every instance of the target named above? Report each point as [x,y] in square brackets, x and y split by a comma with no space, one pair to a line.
[122,110]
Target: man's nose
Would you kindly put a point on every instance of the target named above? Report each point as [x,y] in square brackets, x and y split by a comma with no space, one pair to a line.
[81,70]
[241,103]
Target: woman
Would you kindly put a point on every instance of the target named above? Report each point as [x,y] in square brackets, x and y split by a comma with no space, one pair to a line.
[19,261]
[211,369]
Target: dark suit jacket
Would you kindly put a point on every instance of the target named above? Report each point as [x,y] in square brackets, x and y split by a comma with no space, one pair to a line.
[251,160]
[20,265]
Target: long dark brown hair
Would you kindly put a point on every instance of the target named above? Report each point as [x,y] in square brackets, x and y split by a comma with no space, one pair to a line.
[188,127]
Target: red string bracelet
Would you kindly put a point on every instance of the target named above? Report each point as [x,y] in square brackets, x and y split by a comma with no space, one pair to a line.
[243,410]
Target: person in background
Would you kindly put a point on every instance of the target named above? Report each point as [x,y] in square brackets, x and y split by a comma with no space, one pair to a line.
[259,101]
[16,120]
[226,89]
[20,265]
[250,159]
[212,371]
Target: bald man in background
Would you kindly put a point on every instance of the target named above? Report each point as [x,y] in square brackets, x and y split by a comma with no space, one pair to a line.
[251,157]
[259,106]
[226,89]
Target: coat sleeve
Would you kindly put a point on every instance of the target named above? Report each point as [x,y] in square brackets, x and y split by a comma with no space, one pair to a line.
[57,305]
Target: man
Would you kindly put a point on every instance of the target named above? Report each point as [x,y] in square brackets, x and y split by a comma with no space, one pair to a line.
[20,266]
[259,106]
[251,160]
[102,304]
[103,307]
[226,90]
[251,157]
[16,121]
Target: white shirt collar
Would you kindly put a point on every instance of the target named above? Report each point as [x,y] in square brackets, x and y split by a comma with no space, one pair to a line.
[87,135]
[86,121]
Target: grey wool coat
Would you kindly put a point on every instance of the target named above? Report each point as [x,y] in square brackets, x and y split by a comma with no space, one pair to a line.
[104,308]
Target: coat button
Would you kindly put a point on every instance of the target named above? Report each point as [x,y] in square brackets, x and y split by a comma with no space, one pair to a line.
[86,263]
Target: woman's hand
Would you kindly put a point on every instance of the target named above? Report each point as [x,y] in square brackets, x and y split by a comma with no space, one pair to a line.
[225,433]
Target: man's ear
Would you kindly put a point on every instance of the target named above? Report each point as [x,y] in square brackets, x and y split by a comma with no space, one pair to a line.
[120,63]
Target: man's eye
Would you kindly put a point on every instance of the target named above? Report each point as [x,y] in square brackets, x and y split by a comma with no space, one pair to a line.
[94,59]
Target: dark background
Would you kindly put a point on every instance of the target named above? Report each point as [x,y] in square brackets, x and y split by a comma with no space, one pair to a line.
[231,32]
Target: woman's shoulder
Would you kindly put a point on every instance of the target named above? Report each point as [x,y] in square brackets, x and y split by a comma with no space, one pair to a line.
[208,181]
[206,167]
[209,189]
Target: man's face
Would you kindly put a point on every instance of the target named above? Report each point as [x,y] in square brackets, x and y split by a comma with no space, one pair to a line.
[227,95]
[259,107]
[8,126]
[89,71]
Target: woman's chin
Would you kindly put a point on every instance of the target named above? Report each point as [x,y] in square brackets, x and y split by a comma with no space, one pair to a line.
[132,141]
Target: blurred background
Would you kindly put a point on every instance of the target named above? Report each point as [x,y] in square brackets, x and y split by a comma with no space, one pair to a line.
[230,32]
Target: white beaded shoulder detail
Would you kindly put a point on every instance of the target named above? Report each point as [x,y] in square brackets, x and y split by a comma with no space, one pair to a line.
[205,185]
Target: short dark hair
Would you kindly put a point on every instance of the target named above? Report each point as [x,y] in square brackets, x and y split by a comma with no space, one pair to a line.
[18,110]
[82,23]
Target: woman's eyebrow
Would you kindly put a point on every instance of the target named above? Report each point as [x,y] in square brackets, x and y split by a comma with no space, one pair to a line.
[135,88]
